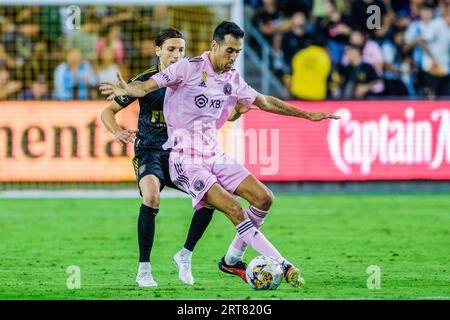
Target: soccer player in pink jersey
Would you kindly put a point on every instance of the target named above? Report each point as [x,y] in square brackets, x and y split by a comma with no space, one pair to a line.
[201,94]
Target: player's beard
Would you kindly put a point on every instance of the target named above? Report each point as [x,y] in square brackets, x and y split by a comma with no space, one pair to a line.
[228,66]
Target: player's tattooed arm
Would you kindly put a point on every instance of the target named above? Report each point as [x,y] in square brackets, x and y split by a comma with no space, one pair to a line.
[275,105]
[239,110]
[234,115]
[122,88]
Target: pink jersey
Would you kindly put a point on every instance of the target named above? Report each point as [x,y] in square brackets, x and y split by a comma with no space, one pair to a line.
[198,101]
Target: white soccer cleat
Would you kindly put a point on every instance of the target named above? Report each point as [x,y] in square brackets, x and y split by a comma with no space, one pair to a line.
[183,264]
[145,279]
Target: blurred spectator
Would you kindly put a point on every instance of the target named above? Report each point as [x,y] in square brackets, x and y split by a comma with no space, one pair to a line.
[8,43]
[40,61]
[6,58]
[414,34]
[436,60]
[371,51]
[269,20]
[26,41]
[107,69]
[113,40]
[411,9]
[144,57]
[296,38]
[8,88]
[85,39]
[336,28]
[51,24]
[401,21]
[415,41]
[320,7]
[360,78]
[397,74]
[371,54]
[310,70]
[73,78]
[114,15]
[38,90]
[271,23]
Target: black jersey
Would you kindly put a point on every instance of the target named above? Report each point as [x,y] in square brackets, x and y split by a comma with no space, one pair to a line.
[151,125]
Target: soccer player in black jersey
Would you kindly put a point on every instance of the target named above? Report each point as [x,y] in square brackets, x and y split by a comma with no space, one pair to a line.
[151,161]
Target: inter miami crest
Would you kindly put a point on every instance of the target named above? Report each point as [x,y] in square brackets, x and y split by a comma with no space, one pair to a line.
[227,89]
[203,83]
[199,185]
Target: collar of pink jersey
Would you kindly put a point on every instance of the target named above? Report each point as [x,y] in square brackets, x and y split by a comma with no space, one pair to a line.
[210,69]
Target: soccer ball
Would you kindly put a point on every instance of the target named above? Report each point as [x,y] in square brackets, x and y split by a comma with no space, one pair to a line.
[264,273]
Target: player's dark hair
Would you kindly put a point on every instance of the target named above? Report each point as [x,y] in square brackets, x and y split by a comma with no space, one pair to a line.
[167,34]
[227,27]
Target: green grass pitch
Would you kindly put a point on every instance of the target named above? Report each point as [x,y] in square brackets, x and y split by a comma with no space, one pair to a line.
[333,238]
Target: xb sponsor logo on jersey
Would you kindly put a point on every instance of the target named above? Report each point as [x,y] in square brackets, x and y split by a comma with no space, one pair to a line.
[202,101]
[216,103]
[199,185]
[203,82]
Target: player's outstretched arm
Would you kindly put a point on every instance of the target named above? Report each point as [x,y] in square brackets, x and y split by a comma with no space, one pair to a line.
[108,117]
[275,105]
[239,110]
[121,88]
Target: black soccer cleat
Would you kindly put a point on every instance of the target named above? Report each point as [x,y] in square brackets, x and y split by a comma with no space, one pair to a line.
[238,269]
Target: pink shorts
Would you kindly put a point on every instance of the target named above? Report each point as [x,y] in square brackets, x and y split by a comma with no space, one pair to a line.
[196,176]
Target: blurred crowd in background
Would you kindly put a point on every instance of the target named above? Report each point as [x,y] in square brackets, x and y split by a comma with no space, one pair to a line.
[45,54]
[322,49]
[358,49]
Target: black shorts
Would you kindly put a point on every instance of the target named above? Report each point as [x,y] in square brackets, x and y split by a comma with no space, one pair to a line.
[156,162]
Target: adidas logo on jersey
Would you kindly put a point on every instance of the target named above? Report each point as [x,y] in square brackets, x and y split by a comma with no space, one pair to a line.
[203,83]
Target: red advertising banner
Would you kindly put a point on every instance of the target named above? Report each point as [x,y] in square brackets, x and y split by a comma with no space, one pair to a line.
[373,140]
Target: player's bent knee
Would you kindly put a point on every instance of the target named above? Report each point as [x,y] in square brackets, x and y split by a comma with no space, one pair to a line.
[265,200]
[151,200]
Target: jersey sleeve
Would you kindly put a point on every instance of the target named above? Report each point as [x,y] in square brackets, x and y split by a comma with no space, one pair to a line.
[174,75]
[223,118]
[246,95]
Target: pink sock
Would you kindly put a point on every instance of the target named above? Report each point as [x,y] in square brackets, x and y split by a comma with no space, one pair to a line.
[254,238]
[257,217]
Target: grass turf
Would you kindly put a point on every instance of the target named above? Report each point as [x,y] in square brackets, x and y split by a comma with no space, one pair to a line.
[332,238]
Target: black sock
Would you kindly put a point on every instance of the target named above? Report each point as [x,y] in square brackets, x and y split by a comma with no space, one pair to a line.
[199,223]
[146,231]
